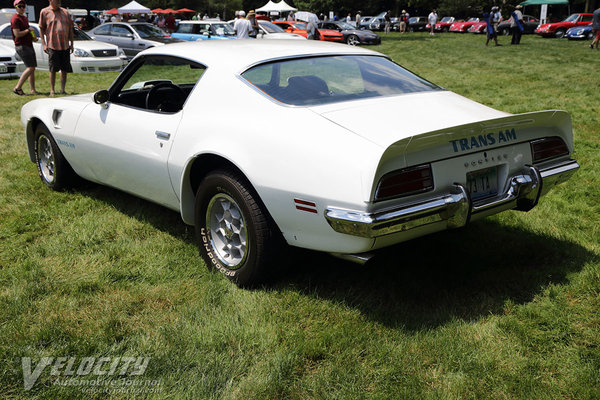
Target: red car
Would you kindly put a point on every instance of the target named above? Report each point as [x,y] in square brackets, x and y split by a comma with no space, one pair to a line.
[299,28]
[464,25]
[444,24]
[479,27]
[558,29]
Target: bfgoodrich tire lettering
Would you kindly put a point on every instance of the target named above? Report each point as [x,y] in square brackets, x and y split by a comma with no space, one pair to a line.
[235,234]
[53,169]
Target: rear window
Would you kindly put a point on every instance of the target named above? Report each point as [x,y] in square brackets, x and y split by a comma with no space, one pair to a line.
[330,79]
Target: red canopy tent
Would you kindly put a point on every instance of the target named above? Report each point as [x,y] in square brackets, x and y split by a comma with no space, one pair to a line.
[185,10]
[169,10]
[114,11]
[157,10]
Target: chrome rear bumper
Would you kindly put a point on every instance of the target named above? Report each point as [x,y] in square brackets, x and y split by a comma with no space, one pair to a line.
[455,207]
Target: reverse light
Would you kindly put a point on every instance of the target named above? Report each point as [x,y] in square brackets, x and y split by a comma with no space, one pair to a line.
[547,148]
[405,182]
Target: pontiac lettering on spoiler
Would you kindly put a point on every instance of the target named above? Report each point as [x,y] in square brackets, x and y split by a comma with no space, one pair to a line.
[477,142]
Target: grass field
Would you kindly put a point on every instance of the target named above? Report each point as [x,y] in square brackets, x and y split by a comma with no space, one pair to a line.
[506,308]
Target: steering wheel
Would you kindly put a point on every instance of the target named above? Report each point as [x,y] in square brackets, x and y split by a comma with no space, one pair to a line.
[170,102]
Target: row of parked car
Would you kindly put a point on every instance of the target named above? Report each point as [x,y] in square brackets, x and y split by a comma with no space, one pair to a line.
[576,26]
[109,46]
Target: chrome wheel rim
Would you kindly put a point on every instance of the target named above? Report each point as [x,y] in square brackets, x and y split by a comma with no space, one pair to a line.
[46,159]
[228,234]
[353,40]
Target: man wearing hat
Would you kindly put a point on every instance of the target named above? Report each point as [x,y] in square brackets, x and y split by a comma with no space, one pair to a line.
[56,31]
[242,26]
[253,24]
[403,21]
[516,25]
[23,36]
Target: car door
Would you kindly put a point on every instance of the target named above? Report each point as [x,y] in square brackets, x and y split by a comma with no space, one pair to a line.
[125,142]
[124,37]
[102,33]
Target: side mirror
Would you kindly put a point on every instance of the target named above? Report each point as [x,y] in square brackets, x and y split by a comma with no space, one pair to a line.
[130,36]
[101,96]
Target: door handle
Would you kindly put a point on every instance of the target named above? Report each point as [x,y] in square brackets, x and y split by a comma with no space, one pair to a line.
[163,135]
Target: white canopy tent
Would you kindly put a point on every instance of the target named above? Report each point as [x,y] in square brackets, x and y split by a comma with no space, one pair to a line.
[134,8]
[280,7]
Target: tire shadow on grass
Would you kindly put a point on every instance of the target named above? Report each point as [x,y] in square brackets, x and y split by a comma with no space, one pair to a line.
[461,274]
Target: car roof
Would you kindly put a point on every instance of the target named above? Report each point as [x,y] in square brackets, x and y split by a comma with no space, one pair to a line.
[237,55]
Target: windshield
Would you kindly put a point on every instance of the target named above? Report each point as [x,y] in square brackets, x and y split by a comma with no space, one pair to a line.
[270,27]
[299,25]
[78,34]
[473,20]
[446,19]
[331,79]
[572,18]
[345,25]
[222,29]
[147,30]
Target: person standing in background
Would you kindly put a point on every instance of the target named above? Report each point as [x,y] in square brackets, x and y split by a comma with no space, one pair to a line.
[403,21]
[432,18]
[56,31]
[24,36]
[596,29]
[516,25]
[357,19]
[388,21]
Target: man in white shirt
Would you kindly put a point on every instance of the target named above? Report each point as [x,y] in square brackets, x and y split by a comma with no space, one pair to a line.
[432,18]
[242,26]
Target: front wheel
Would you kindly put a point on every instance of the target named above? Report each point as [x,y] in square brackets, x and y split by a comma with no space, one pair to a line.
[235,234]
[53,169]
[353,40]
[559,33]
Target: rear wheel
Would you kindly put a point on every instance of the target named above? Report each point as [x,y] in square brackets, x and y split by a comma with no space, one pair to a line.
[590,35]
[53,169]
[352,40]
[235,234]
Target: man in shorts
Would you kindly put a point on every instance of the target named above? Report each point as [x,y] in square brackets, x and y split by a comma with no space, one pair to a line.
[596,28]
[56,31]
[23,36]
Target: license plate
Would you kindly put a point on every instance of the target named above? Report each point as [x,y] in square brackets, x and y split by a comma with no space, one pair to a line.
[483,183]
[3,68]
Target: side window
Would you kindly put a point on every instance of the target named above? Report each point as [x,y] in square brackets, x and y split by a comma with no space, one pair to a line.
[120,31]
[5,33]
[587,18]
[185,28]
[102,30]
[159,83]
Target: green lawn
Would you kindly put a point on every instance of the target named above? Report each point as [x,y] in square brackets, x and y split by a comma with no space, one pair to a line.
[506,308]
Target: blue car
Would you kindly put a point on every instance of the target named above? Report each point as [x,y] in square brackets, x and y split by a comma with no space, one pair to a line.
[204,30]
[580,33]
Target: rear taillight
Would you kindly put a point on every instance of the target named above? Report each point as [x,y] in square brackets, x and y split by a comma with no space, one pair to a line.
[405,182]
[547,148]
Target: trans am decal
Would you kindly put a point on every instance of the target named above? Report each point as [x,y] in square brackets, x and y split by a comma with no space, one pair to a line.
[477,142]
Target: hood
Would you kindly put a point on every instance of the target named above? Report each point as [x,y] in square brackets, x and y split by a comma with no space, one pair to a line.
[387,120]
[90,45]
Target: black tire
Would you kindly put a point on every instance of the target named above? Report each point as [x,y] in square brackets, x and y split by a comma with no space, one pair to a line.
[590,36]
[244,244]
[352,40]
[53,169]
[505,32]
[560,33]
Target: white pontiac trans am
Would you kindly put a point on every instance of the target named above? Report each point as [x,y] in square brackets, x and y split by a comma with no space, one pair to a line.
[262,143]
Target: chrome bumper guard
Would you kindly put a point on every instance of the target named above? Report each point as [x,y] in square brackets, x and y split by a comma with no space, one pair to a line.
[455,207]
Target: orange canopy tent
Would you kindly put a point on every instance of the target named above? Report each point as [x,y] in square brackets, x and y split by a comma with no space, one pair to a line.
[185,10]
[114,11]
[169,11]
[157,10]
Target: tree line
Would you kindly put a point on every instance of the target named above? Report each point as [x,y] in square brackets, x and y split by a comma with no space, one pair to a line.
[226,8]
